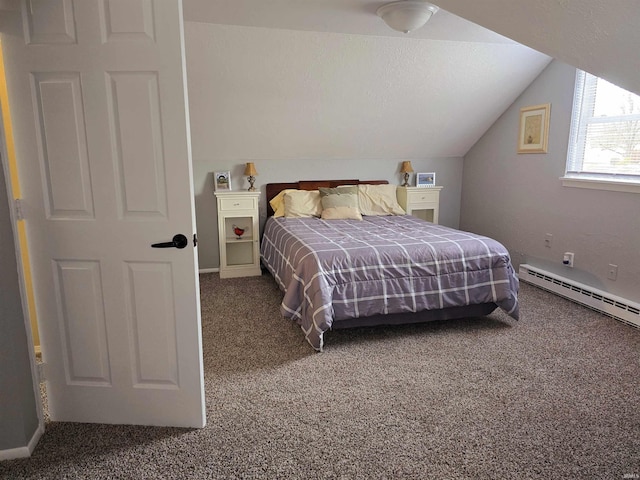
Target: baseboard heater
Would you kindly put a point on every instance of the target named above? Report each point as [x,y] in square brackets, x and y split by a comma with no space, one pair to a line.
[611,305]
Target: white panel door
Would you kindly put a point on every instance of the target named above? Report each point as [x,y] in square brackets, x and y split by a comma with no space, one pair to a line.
[98,97]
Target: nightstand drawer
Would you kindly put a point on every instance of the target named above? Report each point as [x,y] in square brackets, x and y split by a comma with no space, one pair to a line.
[427,196]
[227,204]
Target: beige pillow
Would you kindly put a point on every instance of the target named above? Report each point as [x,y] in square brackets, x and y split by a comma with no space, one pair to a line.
[346,196]
[340,203]
[378,200]
[302,203]
[277,203]
[341,213]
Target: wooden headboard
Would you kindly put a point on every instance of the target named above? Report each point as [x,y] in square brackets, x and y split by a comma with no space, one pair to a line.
[273,189]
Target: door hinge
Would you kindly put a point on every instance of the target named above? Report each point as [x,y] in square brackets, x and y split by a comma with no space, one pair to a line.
[42,372]
[19,210]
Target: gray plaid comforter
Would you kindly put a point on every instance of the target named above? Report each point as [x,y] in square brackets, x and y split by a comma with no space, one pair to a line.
[339,269]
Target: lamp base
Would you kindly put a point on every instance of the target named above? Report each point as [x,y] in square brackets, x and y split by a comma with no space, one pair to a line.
[251,179]
[406,180]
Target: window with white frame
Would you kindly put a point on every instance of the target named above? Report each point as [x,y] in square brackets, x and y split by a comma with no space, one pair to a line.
[604,145]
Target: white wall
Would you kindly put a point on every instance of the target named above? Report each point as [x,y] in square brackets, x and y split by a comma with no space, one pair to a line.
[310,105]
[517,199]
[18,413]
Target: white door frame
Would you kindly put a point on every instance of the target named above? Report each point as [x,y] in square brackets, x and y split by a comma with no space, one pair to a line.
[27,450]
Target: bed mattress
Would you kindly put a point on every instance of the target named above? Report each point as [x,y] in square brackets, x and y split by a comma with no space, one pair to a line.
[333,270]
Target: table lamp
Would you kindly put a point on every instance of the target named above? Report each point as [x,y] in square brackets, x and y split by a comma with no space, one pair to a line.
[251,172]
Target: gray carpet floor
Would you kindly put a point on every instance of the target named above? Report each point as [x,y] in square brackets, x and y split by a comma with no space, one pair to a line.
[554,396]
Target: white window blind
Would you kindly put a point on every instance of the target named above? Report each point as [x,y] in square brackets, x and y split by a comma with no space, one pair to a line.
[605,132]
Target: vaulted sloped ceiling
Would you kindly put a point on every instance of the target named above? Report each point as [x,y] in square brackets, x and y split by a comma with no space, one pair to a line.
[374,92]
[267,93]
[599,36]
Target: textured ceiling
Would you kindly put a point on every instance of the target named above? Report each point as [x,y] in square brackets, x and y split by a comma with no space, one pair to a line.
[336,16]
[599,36]
[433,92]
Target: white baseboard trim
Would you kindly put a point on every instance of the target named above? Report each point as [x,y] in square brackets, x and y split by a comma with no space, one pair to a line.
[208,270]
[23,452]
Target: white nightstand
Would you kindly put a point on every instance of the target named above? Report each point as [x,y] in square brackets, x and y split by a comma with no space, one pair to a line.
[421,202]
[239,254]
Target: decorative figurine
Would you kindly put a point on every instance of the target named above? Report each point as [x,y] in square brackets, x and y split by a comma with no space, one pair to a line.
[238,231]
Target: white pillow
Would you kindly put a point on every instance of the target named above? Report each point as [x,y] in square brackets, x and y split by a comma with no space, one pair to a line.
[302,203]
[378,200]
[277,203]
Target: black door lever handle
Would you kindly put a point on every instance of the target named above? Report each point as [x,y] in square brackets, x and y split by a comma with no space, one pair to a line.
[179,241]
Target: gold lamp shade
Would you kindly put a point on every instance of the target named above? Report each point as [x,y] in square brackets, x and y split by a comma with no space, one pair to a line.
[406,168]
[251,172]
[250,169]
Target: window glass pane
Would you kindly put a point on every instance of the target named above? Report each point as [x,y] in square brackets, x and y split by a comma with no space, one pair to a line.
[605,131]
[612,100]
[613,147]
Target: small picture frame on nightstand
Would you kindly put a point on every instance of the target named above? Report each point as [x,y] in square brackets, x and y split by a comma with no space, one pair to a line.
[426,179]
[222,181]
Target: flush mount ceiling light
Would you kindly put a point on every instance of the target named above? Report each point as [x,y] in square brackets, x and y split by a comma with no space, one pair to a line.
[406,15]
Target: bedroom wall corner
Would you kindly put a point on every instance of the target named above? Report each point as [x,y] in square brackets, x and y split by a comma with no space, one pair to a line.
[518,198]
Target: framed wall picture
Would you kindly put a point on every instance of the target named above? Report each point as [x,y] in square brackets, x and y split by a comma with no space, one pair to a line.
[426,179]
[221,181]
[534,129]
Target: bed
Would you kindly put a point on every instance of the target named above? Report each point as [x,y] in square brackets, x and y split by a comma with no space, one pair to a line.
[343,272]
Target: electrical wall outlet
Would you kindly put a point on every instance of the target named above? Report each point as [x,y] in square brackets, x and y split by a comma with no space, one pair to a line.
[612,273]
[548,238]
[567,259]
